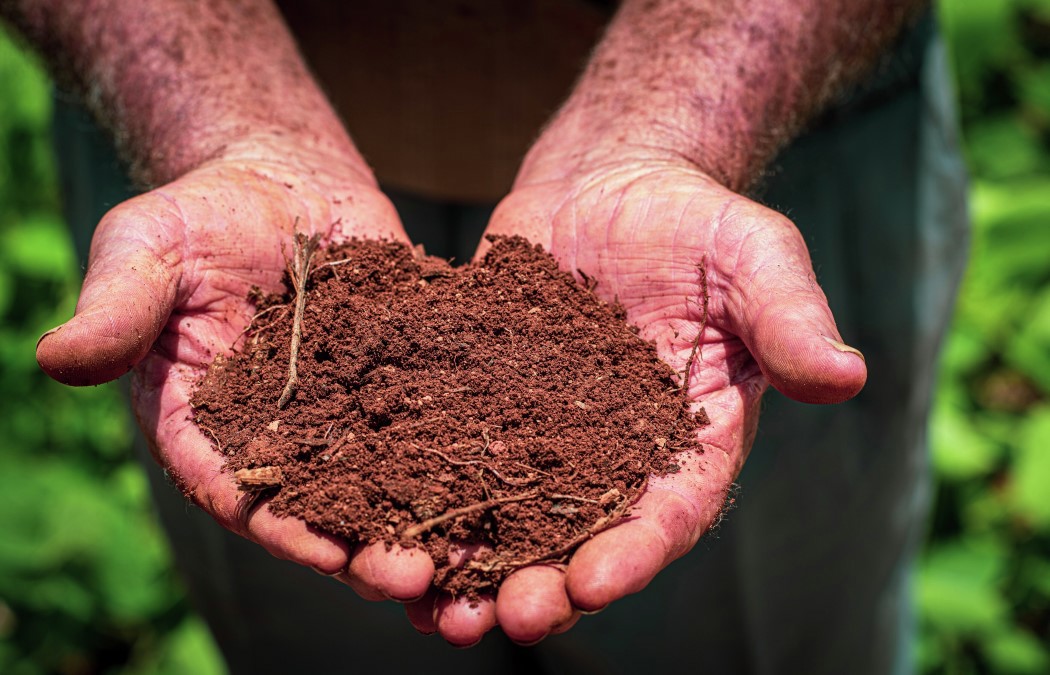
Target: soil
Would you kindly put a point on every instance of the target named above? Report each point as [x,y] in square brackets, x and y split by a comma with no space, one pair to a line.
[499,403]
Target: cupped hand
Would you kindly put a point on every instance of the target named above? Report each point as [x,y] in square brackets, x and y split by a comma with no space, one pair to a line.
[655,234]
[165,291]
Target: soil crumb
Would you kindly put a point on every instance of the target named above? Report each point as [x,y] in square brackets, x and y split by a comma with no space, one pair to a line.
[500,404]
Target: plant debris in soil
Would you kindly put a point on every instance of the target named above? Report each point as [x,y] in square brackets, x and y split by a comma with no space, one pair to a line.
[500,404]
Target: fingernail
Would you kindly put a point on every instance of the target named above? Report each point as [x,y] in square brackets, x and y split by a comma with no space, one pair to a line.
[468,646]
[327,574]
[401,601]
[843,347]
[531,643]
[592,612]
[50,332]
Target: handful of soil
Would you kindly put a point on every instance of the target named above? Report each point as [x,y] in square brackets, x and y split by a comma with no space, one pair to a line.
[500,403]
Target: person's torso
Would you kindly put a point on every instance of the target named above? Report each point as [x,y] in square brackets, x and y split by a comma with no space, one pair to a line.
[444,98]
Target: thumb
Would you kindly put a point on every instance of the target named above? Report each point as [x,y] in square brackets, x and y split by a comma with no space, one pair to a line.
[128,293]
[776,306]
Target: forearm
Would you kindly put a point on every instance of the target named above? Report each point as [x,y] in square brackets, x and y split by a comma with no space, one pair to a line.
[182,81]
[724,84]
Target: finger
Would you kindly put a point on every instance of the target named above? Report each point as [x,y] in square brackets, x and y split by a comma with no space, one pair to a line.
[665,523]
[773,302]
[282,537]
[292,539]
[532,602]
[400,574]
[624,559]
[364,591]
[420,612]
[463,622]
[127,297]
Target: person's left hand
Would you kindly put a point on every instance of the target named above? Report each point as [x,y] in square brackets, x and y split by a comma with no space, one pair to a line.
[654,232]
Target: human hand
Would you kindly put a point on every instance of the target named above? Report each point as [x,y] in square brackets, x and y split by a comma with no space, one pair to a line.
[165,291]
[654,232]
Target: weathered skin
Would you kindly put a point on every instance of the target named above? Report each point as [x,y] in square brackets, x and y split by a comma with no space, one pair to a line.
[642,230]
[633,183]
[168,276]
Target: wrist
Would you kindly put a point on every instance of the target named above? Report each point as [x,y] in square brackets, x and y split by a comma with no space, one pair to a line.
[292,152]
[609,122]
[723,86]
[582,142]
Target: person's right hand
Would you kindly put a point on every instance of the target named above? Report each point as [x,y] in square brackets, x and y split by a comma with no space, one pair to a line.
[165,291]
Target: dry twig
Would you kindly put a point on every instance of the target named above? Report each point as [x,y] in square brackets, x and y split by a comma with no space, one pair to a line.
[701,269]
[558,554]
[430,523]
[516,482]
[251,321]
[299,270]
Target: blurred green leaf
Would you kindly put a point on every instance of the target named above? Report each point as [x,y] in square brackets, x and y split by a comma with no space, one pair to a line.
[28,102]
[1030,477]
[1029,349]
[188,649]
[983,512]
[959,450]
[958,587]
[1034,90]
[39,247]
[1003,147]
[1032,587]
[61,529]
[930,652]
[982,37]
[7,291]
[1013,238]
[964,349]
[1016,651]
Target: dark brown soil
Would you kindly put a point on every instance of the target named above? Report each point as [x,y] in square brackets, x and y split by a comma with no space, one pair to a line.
[499,403]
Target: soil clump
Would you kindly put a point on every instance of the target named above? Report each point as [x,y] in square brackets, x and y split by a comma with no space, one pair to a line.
[500,403]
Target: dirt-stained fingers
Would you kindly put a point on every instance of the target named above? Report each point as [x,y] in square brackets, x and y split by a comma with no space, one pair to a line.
[464,621]
[533,603]
[393,573]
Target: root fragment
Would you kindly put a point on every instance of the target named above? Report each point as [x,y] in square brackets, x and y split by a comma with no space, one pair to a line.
[516,482]
[701,269]
[251,322]
[560,554]
[431,523]
[299,270]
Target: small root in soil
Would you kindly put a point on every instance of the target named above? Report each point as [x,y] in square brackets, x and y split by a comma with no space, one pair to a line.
[430,523]
[561,553]
[298,271]
[701,269]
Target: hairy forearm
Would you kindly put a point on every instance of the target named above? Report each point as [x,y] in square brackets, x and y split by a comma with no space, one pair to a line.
[182,81]
[722,83]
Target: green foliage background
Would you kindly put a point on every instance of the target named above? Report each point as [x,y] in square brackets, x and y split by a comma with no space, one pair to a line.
[983,588]
[86,584]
